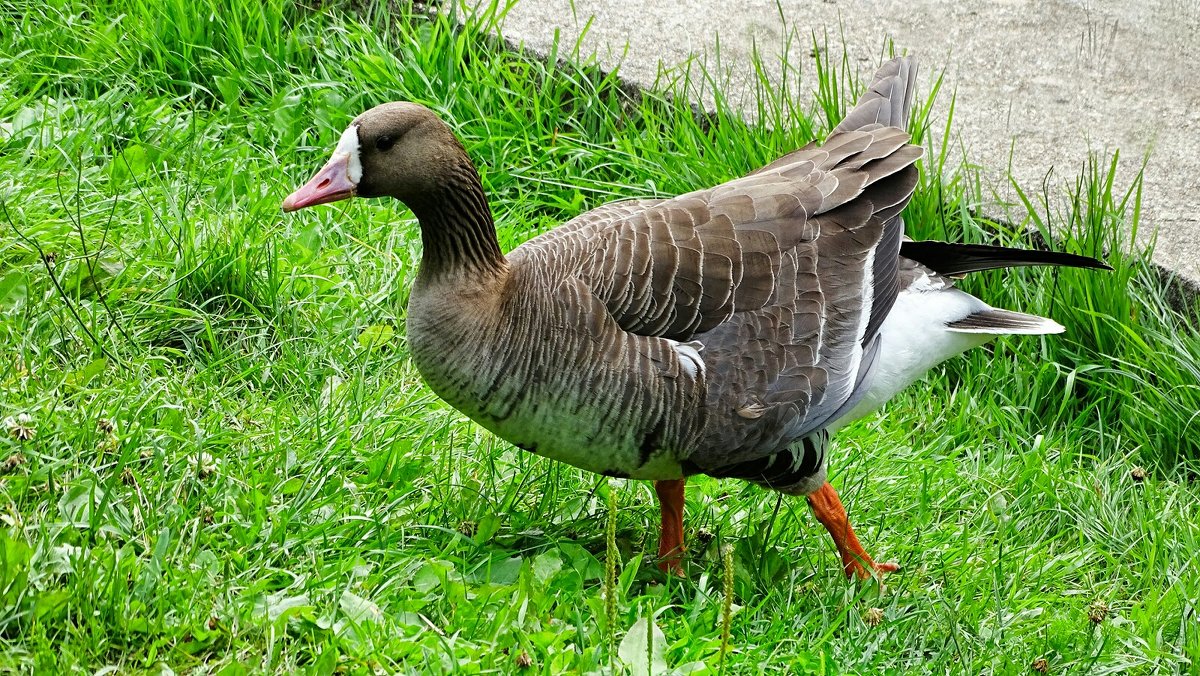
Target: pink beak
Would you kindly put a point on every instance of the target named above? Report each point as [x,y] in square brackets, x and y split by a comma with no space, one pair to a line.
[332,183]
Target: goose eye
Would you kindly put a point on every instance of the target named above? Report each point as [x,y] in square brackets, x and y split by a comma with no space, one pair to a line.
[385,143]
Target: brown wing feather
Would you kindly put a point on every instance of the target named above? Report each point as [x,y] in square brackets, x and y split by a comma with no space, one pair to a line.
[776,274]
[887,100]
[771,274]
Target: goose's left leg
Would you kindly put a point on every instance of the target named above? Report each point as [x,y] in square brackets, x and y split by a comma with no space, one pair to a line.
[827,507]
[670,546]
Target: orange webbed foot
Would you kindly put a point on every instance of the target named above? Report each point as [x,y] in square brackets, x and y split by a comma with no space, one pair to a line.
[864,570]
[828,509]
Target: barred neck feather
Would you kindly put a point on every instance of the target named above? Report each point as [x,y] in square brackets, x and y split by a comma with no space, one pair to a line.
[458,234]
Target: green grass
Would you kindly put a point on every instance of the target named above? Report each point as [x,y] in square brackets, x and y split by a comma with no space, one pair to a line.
[233,468]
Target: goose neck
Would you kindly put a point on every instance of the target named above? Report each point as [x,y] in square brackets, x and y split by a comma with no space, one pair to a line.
[458,234]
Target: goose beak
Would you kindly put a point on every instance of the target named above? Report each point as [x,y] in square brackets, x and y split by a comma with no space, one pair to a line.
[331,184]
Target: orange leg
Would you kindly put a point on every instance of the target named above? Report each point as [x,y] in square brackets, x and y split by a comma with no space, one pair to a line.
[827,507]
[670,546]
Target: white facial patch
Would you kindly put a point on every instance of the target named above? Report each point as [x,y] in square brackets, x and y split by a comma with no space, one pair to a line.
[348,146]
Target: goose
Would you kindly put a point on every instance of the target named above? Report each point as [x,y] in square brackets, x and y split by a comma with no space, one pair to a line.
[725,332]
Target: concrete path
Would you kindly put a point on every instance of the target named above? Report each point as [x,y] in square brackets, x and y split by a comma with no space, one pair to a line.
[1043,81]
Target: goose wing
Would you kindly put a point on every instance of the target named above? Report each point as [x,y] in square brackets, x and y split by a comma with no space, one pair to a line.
[774,274]
[782,276]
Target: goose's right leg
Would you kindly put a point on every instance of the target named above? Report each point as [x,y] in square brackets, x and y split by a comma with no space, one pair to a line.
[827,507]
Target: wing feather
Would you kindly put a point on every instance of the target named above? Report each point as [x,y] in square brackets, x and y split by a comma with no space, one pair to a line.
[782,276]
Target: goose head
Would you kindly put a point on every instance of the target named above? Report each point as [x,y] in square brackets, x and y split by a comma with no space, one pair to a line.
[401,150]
[404,151]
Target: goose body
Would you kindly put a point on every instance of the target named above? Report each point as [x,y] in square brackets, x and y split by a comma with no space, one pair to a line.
[725,332]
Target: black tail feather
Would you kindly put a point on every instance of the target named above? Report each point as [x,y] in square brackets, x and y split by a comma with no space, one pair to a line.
[949,258]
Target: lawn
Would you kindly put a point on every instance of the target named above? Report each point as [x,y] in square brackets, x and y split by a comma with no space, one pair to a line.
[215,456]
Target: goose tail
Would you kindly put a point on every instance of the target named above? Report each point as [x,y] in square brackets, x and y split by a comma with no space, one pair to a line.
[1005,322]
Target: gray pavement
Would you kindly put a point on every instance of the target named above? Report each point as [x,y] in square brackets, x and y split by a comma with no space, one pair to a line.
[1039,84]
